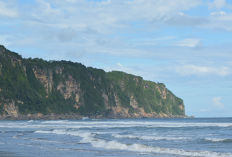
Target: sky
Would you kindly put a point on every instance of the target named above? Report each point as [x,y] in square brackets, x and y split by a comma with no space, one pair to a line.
[185,44]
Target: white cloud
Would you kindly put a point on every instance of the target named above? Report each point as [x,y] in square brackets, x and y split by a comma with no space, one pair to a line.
[217,4]
[182,14]
[218,13]
[190,43]
[216,101]
[188,70]
[111,13]
[119,64]
[7,11]
[72,1]
[181,19]
[219,20]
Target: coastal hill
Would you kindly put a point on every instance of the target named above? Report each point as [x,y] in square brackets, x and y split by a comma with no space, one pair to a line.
[39,89]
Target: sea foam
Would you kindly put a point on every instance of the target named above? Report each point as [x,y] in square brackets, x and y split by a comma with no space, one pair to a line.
[218,140]
[88,137]
[115,145]
[151,137]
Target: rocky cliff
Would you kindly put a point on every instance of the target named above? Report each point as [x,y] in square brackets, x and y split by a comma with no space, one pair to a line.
[37,89]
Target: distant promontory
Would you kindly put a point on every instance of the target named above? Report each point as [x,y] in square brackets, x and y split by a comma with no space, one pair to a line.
[39,89]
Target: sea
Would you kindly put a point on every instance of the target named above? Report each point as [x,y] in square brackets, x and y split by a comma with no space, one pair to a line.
[184,137]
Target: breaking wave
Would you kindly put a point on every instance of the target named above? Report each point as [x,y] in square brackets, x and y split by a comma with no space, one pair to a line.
[219,140]
[88,137]
[151,137]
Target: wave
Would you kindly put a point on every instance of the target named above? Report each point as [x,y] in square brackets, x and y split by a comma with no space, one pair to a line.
[55,124]
[64,132]
[85,118]
[219,140]
[138,124]
[47,141]
[96,119]
[115,145]
[88,137]
[151,137]
[17,136]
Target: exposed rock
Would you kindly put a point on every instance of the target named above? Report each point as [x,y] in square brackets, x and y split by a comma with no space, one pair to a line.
[11,109]
[20,102]
[76,106]
[121,84]
[182,107]
[163,93]
[59,70]
[136,79]
[70,87]
[106,100]
[45,77]
[133,102]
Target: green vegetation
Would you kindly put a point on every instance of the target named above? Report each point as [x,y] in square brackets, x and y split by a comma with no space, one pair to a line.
[19,83]
[1,110]
[146,93]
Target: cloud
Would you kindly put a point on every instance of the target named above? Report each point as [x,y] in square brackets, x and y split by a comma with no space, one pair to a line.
[119,64]
[106,15]
[216,101]
[217,4]
[59,35]
[66,34]
[102,41]
[218,13]
[71,1]
[90,31]
[7,11]
[104,28]
[190,43]
[182,19]
[64,21]
[219,20]
[188,70]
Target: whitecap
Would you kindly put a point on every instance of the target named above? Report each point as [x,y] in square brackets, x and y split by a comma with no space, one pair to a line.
[84,118]
[217,139]
[88,137]
[151,137]
[55,122]
[115,145]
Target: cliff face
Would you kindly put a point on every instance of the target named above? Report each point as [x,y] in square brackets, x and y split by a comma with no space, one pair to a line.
[37,89]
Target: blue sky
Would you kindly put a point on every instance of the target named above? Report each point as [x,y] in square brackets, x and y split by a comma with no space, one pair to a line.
[185,44]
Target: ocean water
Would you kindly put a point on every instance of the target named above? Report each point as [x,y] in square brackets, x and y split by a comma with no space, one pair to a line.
[210,137]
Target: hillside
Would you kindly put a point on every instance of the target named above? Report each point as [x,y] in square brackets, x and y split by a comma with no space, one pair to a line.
[38,89]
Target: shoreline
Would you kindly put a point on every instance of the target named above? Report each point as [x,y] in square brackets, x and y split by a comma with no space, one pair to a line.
[74,116]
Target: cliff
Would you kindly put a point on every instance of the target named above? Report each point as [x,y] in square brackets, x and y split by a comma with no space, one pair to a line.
[38,89]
